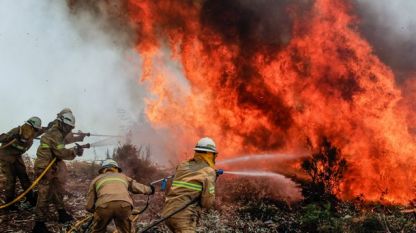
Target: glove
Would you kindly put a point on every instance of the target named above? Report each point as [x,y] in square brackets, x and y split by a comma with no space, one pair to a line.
[152,188]
[79,150]
[82,135]
[218,173]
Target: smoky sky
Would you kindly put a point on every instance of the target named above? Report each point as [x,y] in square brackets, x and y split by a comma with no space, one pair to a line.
[390,27]
[50,60]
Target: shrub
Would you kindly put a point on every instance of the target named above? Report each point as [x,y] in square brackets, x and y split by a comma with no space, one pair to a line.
[326,168]
[136,163]
[318,218]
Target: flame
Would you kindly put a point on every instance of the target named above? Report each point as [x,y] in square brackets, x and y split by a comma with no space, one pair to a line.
[254,94]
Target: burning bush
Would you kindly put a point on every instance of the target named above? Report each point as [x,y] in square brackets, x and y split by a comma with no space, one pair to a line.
[136,163]
[87,170]
[326,168]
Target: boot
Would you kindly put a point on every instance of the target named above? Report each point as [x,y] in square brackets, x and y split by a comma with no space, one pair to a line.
[64,217]
[32,197]
[13,207]
[40,227]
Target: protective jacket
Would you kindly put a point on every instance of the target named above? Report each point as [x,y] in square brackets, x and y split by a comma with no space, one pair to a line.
[193,178]
[51,187]
[52,145]
[14,144]
[69,138]
[113,186]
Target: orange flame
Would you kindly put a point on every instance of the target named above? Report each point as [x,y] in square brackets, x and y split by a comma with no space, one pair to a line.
[253,95]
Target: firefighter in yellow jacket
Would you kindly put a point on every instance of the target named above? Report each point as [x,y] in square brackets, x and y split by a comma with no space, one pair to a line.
[50,188]
[194,178]
[13,144]
[109,199]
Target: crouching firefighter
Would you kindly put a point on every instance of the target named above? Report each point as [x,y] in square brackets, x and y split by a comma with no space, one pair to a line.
[194,180]
[13,144]
[109,199]
[51,186]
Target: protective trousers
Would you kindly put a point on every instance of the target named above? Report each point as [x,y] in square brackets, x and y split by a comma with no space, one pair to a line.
[120,211]
[50,190]
[9,172]
[182,223]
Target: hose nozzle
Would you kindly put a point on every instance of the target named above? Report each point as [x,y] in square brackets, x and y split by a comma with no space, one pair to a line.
[85,146]
[219,172]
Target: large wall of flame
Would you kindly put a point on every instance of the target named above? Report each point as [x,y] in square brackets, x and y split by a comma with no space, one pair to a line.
[277,75]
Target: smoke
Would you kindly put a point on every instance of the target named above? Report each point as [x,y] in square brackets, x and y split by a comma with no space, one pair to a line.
[390,27]
[259,77]
[50,60]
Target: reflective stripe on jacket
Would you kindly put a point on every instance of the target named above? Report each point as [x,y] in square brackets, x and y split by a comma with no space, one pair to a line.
[52,146]
[13,144]
[113,186]
[194,178]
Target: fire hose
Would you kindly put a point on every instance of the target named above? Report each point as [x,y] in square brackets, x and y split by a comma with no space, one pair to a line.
[92,135]
[97,135]
[31,186]
[79,223]
[89,218]
[162,188]
[135,212]
[35,182]
[163,182]
[158,221]
[8,144]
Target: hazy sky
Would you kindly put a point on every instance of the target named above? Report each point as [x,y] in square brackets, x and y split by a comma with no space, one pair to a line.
[46,65]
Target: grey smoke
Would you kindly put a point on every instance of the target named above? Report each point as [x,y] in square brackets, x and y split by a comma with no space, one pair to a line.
[50,59]
[390,27]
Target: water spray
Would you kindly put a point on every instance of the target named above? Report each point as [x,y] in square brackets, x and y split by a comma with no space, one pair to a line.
[97,135]
[104,142]
[248,158]
[254,173]
[91,135]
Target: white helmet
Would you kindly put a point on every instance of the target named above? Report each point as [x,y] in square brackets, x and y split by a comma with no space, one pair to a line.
[63,111]
[206,144]
[67,118]
[108,163]
[35,122]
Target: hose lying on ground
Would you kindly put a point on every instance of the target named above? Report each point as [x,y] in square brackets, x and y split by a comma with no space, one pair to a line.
[158,221]
[134,212]
[138,212]
[79,223]
[31,186]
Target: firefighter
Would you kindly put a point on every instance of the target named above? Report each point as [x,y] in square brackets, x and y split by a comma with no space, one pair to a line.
[71,137]
[194,178]
[109,199]
[15,143]
[50,188]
